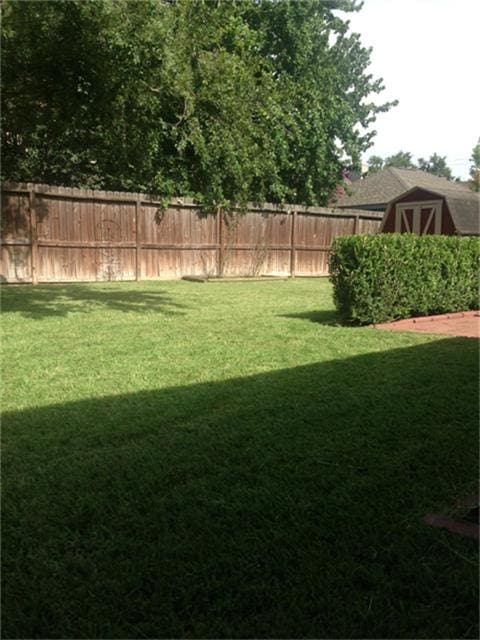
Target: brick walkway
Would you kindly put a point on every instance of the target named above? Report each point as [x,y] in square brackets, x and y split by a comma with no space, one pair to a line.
[465,323]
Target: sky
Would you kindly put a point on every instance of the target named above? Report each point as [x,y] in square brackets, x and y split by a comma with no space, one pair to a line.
[428,54]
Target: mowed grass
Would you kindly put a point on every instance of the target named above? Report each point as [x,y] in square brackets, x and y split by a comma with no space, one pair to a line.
[219,460]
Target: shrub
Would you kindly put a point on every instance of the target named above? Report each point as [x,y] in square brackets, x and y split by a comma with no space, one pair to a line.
[391,276]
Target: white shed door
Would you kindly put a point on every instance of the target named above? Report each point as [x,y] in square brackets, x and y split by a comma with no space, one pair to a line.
[421,218]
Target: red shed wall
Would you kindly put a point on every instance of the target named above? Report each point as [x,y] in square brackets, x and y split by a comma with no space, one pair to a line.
[420,195]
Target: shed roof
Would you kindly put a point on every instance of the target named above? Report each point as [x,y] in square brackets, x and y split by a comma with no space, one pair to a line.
[463,204]
[385,185]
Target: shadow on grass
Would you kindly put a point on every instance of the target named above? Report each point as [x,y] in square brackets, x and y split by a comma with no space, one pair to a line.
[282,505]
[44,301]
[329,317]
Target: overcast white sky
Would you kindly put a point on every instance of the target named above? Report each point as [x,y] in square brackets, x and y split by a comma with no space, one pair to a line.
[428,54]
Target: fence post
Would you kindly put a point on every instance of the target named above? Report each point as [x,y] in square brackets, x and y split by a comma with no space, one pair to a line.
[293,255]
[137,239]
[33,235]
[220,242]
[355,224]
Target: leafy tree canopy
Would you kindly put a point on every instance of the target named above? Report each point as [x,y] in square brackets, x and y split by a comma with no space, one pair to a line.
[375,163]
[225,101]
[475,168]
[403,160]
[437,165]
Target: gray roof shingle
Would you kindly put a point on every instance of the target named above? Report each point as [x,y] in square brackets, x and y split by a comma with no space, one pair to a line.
[386,185]
[465,212]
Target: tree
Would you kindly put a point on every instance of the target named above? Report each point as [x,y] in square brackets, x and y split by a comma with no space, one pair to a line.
[437,165]
[475,168]
[375,164]
[401,160]
[222,101]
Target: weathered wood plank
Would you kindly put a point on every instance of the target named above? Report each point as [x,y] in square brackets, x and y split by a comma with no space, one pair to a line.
[138,246]
[33,236]
[293,248]
[63,234]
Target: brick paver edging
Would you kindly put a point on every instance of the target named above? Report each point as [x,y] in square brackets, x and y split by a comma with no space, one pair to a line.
[444,316]
[459,323]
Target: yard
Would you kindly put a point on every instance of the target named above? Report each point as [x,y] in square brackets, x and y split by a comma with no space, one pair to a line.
[224,460]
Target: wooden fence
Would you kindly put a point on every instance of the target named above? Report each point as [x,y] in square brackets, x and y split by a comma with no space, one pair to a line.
[58,234]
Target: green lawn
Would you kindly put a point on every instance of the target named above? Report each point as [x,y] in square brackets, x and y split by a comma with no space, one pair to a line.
[219,460]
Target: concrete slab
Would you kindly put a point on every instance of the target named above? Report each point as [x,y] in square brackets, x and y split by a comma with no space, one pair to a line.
[465,324]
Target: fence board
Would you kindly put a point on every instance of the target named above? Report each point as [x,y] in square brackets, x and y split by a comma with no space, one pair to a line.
[367,226]
[15,224]
[16,263]
[312,262]
[83,235]
[170,264]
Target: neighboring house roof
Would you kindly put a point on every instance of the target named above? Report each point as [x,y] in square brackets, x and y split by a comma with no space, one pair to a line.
[353,176]
[380,188]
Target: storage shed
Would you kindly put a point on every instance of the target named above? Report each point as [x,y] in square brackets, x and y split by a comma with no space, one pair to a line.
[443,211]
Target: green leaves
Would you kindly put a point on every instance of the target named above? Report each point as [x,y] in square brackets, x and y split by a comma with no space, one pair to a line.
[391,276]
[475,168]
[437,165]
[403,159]
[225,101]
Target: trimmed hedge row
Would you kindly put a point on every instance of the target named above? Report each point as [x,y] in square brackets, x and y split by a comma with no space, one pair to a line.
[388,276]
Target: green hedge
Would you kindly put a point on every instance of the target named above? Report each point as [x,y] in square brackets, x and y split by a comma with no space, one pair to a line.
[388,276]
